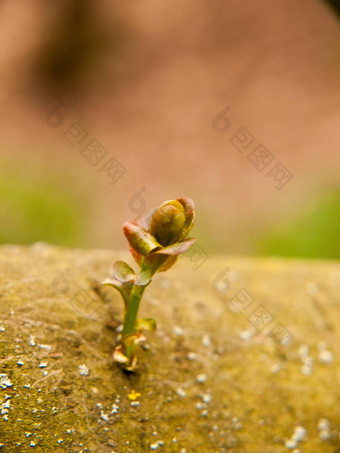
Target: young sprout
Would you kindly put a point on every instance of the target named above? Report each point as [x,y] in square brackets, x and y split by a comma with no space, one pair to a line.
[155,242]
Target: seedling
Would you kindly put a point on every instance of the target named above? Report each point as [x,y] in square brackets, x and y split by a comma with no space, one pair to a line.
[155,240]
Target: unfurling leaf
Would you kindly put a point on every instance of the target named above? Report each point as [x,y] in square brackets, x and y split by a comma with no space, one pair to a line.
[123,288]
[123,272]
[148,324]
[140,239]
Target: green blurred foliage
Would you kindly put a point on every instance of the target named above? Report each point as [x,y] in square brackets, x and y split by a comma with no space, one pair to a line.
[34,211]
[45,205]
[314,233]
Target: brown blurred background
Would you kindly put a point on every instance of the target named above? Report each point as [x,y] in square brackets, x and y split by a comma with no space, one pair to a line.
[147,80]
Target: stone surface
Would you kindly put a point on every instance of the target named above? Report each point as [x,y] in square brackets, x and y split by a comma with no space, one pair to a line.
[208,381]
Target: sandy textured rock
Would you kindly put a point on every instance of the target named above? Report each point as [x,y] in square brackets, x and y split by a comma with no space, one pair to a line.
[207,382]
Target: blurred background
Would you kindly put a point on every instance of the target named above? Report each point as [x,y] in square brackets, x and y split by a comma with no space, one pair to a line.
[110,108]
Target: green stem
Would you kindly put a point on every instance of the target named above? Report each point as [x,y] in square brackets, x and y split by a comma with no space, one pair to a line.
[130,320]
[132,309]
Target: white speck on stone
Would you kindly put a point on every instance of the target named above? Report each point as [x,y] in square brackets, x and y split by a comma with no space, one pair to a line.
[32,444]
[180,392]
[325,429]
[27,386]
[115,409]
[204,413]
[5,381]
[200,405]
[4,407]
[43,365]
[178,331]
[2,329]
[325,434]
[306,370]
[60,441]
[20,363]
[235,421]
[323,424]
[154,446]
[206,398]
[299,433]
[45,373]
[99,405]
[325,356]
[192,356]
[83,370]
[47,347]
[201,378]
[303,352]
[275,368]
[290,444]
[206,340]
[31,341]
[68,431]
[104,416]
[134,403]
[246,335]
[308,361]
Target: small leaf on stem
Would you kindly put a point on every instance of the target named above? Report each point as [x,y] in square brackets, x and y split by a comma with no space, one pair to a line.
[123,288]
[148,324]
[140,239]
[123,272]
